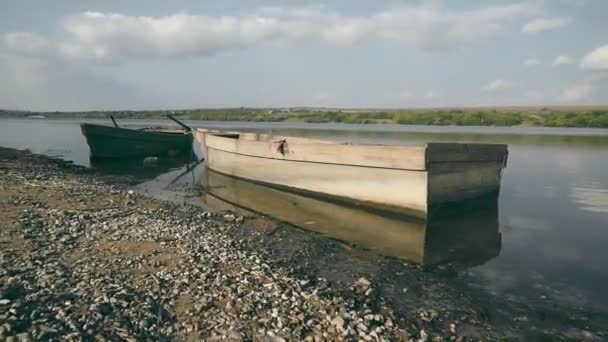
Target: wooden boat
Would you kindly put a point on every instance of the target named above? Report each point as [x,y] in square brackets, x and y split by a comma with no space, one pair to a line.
[469,236]
[117,142]
[415,180]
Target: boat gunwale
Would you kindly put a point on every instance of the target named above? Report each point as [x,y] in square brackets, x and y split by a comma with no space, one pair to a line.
[223,134]
[454,153]
[147,131]
[412,160]
[316,162]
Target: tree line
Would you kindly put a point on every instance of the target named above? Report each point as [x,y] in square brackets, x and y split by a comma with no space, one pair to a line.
[459,117]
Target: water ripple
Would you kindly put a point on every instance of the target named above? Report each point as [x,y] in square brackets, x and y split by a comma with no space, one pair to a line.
[591,197]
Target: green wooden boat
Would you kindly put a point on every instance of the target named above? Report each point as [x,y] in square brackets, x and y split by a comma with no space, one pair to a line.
[118,142]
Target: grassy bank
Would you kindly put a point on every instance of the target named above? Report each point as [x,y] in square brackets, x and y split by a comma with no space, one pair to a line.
[541,117]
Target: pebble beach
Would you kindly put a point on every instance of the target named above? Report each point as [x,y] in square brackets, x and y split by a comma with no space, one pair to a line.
[82,259]
[85,256]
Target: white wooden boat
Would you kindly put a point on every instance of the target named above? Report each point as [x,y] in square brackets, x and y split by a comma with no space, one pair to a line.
[414,180]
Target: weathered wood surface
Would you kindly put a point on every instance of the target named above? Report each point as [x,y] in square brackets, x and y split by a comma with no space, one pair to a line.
[410,178]
[392,157]
[390,188]
[460,181]
[449,152]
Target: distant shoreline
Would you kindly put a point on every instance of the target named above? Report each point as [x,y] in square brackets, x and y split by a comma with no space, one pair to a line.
[579,117]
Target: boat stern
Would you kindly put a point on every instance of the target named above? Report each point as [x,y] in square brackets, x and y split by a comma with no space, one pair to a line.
[458,172]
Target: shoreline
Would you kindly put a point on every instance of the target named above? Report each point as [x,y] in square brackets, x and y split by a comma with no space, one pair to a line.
[83,255]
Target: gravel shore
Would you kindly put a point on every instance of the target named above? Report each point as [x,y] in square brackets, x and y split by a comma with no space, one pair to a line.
[83,256]
[82,259]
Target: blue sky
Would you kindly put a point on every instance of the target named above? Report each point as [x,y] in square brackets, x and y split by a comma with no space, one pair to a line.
[110,54]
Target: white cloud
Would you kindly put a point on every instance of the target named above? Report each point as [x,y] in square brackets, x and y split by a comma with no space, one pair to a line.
[428,26]
[25,42]
[53,84]
[101,35]
[499,85]
[562,60]
[576,93]
[544,24]
[596,59]
[532,62]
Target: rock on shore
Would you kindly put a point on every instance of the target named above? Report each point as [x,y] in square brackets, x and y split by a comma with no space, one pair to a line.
[81,259]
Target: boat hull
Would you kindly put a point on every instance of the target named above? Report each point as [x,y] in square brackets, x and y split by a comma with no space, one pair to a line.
[411,180]
[113,142]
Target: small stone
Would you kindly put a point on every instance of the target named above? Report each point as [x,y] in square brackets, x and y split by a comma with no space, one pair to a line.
[363,282]
[403,335]
[4,301]
[229,218]
[23,337]
[150,161]
[235,335]
[338,322]
[144,323]
[587,335]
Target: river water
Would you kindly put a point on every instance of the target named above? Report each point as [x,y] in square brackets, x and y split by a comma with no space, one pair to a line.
[551,219]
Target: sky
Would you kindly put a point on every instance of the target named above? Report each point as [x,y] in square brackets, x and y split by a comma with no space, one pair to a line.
[158,54]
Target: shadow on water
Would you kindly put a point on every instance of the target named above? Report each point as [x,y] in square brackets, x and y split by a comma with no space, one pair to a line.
[143,169]
[467,233]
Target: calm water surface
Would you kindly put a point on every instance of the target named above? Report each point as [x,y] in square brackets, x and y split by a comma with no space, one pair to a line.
[552,209]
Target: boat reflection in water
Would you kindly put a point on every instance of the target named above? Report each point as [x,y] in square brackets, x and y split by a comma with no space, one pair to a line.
[140,168]
[467,232]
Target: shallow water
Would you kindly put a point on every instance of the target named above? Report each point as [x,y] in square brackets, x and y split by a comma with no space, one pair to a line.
[552,212]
